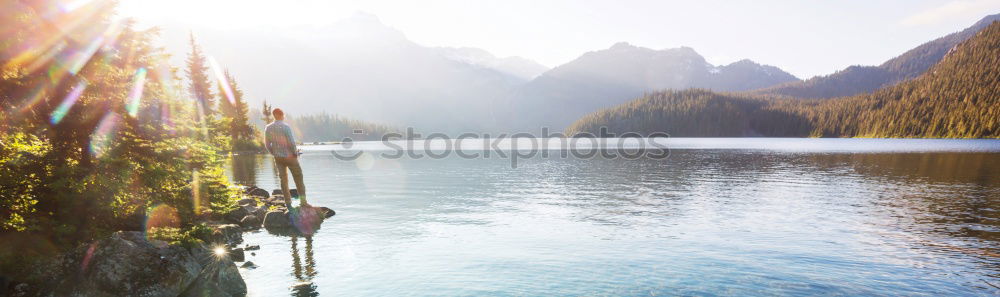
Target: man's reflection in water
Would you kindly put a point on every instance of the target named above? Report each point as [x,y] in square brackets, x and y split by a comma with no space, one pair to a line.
[304,275]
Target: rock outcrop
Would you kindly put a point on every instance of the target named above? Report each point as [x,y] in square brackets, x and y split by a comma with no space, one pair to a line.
[251,222]
[247,202]
[127,264]
[225,234]
[257,192]
[219,276]
[294,192]
[327,212]
[277,219]
[236,215]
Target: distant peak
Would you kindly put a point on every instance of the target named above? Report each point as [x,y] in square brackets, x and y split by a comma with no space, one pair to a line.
[686,49]
[364,17]
[363,25]
[745,62]
[622,45]
[680,51]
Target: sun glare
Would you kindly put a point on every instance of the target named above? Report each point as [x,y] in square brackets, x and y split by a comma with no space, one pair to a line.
[230,14]
[219,251]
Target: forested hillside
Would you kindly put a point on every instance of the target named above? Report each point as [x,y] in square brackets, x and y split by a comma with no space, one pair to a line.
[327,127]
[862,79]
[959,97]
[324,127]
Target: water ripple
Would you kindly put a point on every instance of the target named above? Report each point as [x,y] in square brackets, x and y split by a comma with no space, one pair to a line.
[703,222]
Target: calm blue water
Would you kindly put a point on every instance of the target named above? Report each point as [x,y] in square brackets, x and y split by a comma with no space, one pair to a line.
[718,217]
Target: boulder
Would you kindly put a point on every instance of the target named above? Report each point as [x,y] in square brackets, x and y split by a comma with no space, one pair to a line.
[247,202]
[252,247]
[237,255]
[227,234]
[236,215]
[296,221]
[260,212]
[126,264]
[294,192]
[278,200]
[20,290]
[248,265]
[219,277]
[257,192]
[277,220]
[251,222]
[307,219]
[327,212]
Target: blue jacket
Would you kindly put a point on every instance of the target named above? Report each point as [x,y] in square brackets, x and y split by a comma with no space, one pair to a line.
[278,139]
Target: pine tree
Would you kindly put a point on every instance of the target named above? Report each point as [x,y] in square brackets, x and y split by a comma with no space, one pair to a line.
[235,112]
[227,108]
[200,86]
[267,113]
[241,118]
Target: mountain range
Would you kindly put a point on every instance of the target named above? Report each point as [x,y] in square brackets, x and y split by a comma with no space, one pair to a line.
[365,70]
[622,72]
[516,66]
[958,97]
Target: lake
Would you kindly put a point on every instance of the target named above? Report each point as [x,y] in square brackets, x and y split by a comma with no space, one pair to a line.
[716,217]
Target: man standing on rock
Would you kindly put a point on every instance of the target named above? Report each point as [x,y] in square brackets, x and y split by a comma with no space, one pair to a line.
[280,143]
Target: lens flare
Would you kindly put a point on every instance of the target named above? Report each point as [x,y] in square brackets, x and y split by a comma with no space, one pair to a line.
[104,134]
[196,192]
[202,120]
[80,58]
[365,161]
[34,52]
[221,79]
[135,95]
[162,73]
[63,108]
[306,219]
[56,73]
[111,33]
[87,257]
[162,216]
[40,61]
[76,60]
[166,119]
[219,251]
[73,5]
[33,98]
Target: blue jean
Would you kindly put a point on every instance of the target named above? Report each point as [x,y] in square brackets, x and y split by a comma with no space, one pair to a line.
[285,164]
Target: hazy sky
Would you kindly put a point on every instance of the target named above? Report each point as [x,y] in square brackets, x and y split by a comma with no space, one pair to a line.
[805,38]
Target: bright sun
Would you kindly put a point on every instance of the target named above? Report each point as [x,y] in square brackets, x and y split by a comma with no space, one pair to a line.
[229,14]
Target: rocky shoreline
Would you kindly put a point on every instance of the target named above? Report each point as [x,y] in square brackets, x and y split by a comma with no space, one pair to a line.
[129,263]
